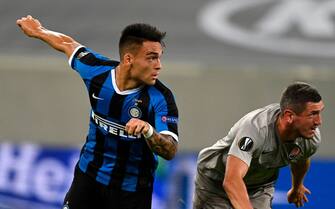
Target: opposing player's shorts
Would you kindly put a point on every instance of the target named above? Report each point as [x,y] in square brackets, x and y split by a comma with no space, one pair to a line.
[86,193]
[209,194]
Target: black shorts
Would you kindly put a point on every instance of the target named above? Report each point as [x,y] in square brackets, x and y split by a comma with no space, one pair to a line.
[86,193]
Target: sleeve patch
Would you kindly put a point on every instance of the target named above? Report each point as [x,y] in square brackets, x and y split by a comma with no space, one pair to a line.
[245,144]
[82,54]
[169,119]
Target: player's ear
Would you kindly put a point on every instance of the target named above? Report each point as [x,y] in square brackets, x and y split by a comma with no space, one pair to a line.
[128,58]
[289,115]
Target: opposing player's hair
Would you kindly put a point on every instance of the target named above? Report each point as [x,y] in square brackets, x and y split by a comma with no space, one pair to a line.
[134,35]
[297,95]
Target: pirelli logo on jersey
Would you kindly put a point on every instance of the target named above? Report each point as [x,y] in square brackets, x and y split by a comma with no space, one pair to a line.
[112,127]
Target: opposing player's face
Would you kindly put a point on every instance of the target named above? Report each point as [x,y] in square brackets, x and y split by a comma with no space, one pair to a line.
[147,63]
[307,121]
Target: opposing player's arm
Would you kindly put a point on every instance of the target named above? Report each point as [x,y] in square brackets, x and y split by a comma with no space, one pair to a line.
[297,194]
[162,144]
[298,171]
[33,28]
[233,183]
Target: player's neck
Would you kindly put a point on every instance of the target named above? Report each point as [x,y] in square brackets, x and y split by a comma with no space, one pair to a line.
[285,132]
[123,79]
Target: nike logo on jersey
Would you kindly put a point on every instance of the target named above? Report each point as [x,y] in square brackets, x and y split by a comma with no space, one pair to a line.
[95,97]
[266,152]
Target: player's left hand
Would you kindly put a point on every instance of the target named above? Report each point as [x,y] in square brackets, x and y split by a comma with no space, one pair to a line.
[136,127]
[298,196]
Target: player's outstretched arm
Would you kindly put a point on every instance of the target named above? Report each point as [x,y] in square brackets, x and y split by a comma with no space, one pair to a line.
[162,144]
[33,28]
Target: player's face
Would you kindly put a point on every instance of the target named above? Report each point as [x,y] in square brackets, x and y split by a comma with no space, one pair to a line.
[147,63]
[307,121]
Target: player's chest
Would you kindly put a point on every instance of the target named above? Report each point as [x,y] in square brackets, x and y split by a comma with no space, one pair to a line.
[281,155]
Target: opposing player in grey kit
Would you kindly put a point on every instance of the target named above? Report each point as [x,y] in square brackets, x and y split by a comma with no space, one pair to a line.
[240,170]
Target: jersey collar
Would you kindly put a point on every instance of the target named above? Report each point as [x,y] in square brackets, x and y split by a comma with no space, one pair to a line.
[126,92]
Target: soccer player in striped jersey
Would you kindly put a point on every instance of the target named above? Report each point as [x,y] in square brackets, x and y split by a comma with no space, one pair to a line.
[133,120]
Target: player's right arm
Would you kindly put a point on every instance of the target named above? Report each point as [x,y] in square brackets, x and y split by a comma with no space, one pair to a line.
[33,28]
[234,185]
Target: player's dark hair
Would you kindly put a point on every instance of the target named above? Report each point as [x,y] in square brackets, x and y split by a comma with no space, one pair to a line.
[297,95]
[134,35]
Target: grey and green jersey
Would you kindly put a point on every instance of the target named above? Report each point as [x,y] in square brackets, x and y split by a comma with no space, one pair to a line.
[254,140]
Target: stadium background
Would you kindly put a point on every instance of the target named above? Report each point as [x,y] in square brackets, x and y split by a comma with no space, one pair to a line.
[216,79]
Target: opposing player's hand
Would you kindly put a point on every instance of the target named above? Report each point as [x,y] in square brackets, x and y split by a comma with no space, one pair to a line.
[136,127]
[29,25]
[298,196]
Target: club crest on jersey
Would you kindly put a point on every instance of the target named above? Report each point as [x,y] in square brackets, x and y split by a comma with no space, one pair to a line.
[135,112]
[294,153]
[245,144]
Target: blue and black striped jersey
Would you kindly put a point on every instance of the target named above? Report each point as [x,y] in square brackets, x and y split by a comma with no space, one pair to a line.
[110,155]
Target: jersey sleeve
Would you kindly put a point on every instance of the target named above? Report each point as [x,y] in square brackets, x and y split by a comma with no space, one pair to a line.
[247,141]
[89,63]
[166,113]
